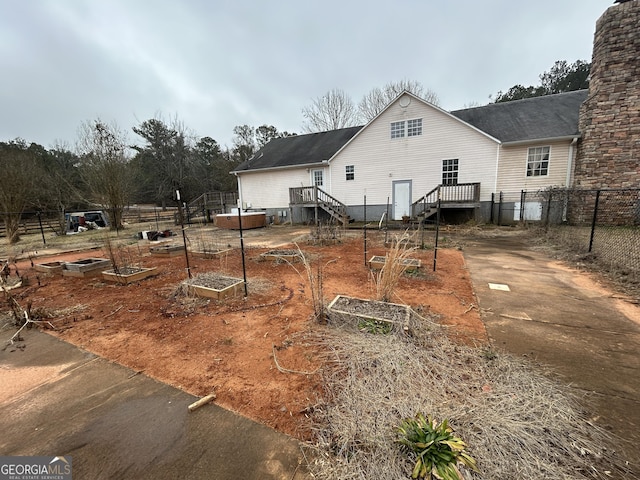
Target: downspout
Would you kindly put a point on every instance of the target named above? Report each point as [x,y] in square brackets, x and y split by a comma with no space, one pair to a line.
[239,191]
[567,182]
[495,183]
[329,182]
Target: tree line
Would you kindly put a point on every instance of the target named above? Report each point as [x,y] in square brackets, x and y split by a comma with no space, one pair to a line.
[105,170]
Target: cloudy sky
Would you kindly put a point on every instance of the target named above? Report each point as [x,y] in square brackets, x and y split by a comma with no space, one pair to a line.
[216,64]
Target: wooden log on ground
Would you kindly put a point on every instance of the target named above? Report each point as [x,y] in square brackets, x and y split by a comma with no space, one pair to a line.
[202,401]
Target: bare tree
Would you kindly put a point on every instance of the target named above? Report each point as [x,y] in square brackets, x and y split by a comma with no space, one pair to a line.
[166,161]
[331,111]
[104,166]
[378,98]
[18,182]
[61,186]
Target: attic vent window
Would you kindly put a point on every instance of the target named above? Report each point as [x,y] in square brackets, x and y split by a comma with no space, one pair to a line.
[538,161]
[409,128]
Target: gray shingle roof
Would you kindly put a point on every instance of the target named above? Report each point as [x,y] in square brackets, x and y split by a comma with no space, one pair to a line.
[550,116]
[299,149]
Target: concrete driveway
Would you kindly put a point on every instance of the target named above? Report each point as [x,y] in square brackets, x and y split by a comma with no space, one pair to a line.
[576,329]
[59,400]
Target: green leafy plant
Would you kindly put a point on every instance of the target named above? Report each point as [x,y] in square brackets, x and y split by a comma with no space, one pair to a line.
[376,327]
[438,451]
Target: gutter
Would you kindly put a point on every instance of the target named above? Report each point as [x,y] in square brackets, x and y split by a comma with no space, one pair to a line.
[239,182]
[323,163]
[565,207]
[495,183]
[567,182]
[540,140]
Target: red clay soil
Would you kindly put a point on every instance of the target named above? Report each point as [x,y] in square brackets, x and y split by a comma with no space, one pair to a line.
[227,347]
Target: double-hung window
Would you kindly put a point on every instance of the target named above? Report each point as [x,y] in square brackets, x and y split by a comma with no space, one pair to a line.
[350,172]
[538,161]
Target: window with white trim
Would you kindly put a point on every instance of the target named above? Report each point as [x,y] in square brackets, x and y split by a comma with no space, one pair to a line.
[397,129]
[350,172]
[414,127]
[538,161]
[409,128]
[450,171]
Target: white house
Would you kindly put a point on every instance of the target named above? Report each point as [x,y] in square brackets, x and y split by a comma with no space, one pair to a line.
[414,153]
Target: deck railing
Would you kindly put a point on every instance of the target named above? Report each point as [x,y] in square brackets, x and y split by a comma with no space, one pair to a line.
[461,193]
[316,197]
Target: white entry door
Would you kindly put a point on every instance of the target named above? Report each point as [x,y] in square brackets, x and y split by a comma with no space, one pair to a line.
[401,199]
[317,178]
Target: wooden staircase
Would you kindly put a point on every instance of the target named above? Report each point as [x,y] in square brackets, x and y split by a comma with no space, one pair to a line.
[212,202]
[314,197]
[462,195]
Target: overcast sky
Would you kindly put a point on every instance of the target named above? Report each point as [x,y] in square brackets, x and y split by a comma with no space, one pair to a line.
[216,64]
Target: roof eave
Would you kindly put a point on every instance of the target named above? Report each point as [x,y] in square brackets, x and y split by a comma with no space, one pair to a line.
[516,143]
[323,163]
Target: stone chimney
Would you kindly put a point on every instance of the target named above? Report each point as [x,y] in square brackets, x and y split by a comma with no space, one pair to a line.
[609,151]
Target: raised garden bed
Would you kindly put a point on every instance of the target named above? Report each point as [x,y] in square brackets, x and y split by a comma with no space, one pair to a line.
[410,264]
[85,268]
[214,286]
[282,255]
[370,315]
[166,250]
[127,275]
[208,254]
[54,268]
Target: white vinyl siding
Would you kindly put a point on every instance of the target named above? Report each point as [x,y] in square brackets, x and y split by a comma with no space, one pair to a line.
[512,173]
[271,189]
[381,160]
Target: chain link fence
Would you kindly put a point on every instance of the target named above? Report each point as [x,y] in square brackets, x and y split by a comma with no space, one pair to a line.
[602,226]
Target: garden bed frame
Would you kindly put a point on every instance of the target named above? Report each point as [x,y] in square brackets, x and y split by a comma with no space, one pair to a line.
[129,274]
[89,267]
[54,268]
[166,250]
[410,264]
[234,289]
[376,312]
[290,256]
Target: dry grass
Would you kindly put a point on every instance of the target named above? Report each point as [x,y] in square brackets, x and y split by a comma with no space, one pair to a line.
[205,240]
[394,267]
[518,424]
[122,257]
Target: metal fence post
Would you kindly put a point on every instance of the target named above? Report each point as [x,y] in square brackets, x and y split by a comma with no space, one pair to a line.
[493,202]
[593,222]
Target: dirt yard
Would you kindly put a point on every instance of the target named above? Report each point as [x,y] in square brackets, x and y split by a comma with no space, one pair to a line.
[255,352]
